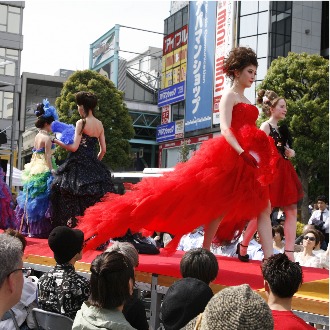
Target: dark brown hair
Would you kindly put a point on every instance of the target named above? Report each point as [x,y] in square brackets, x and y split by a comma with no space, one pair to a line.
[278,229]
[111,272]
[238,59]
[87,100]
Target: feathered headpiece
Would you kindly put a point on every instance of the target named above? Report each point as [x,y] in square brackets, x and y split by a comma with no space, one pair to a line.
[49,110]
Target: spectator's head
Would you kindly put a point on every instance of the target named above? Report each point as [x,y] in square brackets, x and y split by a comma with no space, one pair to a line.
[322,202]
[127,249]
[66,243]
[311,239]
[201,264]
[308,227]
[278,233]
[322,238]
[17,234]
[283,277]
[184,300]
[256,237]
[11,275]
[235,308]
[112,280]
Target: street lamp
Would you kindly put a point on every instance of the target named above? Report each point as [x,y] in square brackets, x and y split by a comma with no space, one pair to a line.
[7,61]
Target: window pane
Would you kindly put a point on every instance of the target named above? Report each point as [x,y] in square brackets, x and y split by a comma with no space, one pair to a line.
[262,68]
[13,23]
[249,42]
[263,5]
[178,20]
[7,105]
[14,9]
[185,16]
[3,14]
[281,6]
[262,45]
[248,7]
[263,22]
[170,24]
[248,26]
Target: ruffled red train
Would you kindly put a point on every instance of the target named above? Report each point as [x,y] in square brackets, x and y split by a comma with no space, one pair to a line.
[215,182]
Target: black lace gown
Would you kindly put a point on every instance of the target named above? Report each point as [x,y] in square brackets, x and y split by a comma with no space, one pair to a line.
[81,181]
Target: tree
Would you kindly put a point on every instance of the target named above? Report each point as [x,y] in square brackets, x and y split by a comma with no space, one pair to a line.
[184,152]
[111,110]
[303,80]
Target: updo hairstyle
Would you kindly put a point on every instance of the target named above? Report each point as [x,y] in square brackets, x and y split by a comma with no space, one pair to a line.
[87,100]
[42,120]
[268,99]
[238,59]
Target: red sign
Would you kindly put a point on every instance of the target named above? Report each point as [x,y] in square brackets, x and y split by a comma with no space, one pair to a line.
[175,40]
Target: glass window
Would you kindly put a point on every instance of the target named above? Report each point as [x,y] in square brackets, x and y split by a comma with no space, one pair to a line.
[170,25]
[8,104]
[248,26]
[248,7]
[262,68]
[16,10]
[185,16]
[280,6]
[263,5]
[165,27]
[262,48]
[13,23]
[178,20]
[3,14]
[263,22]
[249,42]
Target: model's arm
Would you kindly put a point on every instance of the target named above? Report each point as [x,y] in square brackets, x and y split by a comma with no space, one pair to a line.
[102,144]
[76,141]
[226,110]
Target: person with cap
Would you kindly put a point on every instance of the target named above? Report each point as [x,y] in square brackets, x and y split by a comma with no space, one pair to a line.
[283,278]
[234,308]
[62,290]
[183,301]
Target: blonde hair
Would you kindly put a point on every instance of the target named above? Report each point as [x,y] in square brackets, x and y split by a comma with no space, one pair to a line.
[268,99]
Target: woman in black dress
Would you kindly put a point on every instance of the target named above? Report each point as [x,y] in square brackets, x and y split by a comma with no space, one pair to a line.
[82,179]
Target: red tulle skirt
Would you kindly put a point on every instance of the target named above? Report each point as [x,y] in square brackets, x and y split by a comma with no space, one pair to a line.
[286,188]
[215,182]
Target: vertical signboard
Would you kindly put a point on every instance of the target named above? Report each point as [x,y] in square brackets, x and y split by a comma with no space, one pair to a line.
[224,43]
[174,64]
[200,65]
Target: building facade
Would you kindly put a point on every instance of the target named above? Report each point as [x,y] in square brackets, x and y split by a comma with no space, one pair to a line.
[11,45]
[271,28]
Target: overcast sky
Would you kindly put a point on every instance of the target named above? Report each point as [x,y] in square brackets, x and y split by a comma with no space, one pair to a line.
[58,33]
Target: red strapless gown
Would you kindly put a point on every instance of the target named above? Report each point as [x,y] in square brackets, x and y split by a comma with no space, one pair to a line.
[215,182]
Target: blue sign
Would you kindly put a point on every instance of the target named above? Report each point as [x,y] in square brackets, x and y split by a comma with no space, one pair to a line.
[165,132]
[200,65]
[172,94]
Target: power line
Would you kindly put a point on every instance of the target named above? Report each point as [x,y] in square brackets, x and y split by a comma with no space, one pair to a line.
[129,27]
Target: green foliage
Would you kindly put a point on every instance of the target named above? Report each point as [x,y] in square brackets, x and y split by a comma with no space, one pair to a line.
[184,152]
[303,80]
[111,110]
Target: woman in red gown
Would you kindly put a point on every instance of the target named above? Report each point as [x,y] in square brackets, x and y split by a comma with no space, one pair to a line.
[286,190]
[225,182]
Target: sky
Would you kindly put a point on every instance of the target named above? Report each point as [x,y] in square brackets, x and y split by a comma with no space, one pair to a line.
[58,33]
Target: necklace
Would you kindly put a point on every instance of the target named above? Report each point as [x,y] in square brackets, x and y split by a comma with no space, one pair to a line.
[41,131]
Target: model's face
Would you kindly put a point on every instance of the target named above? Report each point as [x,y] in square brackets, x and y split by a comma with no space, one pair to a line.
[247,76]
[279,111]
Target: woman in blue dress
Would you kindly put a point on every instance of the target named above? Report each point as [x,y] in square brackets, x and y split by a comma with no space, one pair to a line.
[82,179]
[33,216]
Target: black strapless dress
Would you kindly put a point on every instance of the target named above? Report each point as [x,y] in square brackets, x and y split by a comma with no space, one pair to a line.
[79,182]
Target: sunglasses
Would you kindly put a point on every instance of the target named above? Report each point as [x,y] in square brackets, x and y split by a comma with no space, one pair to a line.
[309,238]
[25,271]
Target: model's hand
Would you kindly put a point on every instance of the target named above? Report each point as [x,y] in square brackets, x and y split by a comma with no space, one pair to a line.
[249,159]
[289,152]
